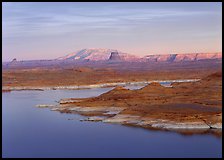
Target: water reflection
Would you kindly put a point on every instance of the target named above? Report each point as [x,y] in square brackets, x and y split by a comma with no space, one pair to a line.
[28,131]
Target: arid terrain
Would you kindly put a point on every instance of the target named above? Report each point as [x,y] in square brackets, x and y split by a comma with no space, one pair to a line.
[187,105]
[191,105]
[97,73]
[112,80]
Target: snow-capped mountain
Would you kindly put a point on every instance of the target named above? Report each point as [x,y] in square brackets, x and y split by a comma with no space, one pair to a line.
[97,54]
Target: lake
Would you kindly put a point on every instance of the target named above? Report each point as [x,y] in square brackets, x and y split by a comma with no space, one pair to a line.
[28,131]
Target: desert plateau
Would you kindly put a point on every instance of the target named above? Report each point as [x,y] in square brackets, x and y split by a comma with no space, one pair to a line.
[112,80]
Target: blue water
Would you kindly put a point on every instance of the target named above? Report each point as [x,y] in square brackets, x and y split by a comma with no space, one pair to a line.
[28,131]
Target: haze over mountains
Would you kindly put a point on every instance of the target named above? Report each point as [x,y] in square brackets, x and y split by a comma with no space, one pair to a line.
[111,55]
[183,57]
[105,54]
[98,54]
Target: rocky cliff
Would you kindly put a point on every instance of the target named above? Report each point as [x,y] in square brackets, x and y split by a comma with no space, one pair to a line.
[181,57]
[115,56]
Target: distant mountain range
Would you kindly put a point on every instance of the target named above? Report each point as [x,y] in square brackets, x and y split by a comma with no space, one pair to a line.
[95,55]
[182,57]
[105,54]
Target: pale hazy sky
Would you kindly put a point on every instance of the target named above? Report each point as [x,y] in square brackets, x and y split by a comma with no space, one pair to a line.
[50,30]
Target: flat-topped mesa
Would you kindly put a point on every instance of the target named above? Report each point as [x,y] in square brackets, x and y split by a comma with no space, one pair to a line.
[114,56]
[182,57]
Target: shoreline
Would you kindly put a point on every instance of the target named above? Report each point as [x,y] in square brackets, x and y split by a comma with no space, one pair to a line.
[194,105]
[111,115]
[100,85]
[180,106]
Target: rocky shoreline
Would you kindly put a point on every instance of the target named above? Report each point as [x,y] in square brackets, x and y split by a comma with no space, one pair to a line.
[189,106]
[101,85]
[112,115]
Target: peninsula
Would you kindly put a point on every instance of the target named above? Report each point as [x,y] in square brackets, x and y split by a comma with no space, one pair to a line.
[191,105]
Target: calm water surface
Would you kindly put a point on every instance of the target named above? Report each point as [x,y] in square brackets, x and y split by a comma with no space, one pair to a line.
[28,131]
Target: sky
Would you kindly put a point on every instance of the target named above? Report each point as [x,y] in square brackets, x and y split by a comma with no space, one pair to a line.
[48,30]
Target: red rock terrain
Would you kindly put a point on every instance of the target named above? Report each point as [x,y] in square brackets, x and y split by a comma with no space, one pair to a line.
[99,54]
[185,105]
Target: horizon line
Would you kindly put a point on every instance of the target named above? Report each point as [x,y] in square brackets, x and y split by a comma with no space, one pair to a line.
[217,52]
